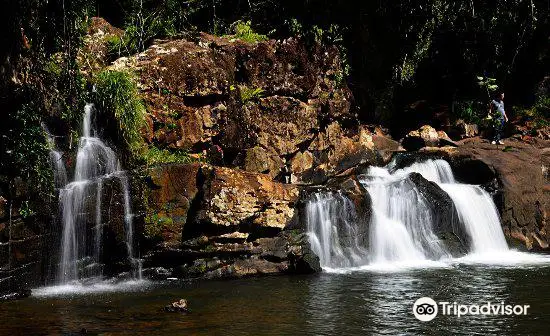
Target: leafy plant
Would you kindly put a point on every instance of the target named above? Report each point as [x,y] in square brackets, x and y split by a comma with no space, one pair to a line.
[26,210]
[250,94]
[26,150]
[488,84]
[470,111]
[542,105]
[118,95]
[244,32]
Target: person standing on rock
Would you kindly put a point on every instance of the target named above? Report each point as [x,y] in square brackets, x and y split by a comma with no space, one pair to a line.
[500,118]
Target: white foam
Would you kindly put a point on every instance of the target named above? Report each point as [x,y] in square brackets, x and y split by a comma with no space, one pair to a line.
[507,258]
[79,288]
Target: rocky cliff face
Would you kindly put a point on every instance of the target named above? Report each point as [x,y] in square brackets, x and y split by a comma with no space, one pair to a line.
[280,120]
[206,221]
[25,238]
[275,107]
[278,116]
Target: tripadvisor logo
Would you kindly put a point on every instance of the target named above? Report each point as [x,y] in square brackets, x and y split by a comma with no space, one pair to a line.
[426,309]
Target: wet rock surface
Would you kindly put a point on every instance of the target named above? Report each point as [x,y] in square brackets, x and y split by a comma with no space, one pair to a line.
[179,306]
[447,226]
[25,238]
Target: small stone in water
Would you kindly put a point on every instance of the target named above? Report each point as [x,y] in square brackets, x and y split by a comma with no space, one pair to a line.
[177,307]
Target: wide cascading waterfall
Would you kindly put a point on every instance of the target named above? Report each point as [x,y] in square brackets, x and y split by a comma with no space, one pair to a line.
[404,227]
[95,163]
[333,230]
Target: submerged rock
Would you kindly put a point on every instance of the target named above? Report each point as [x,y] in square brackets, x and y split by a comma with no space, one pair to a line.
[177,307]
[21,294]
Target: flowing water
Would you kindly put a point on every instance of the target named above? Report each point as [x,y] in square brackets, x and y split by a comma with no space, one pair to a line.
[402,228]
[479,215]
[81,255]
[56,160]
[327,214]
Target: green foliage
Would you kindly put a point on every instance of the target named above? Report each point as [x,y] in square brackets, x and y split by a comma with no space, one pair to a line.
[244,32]
[27,150]
[118,95]
[134,39]
[488,85]
[333,35]
[471,111]
[250,94]
[26,210]
[156,156]
[54,66]
[542,105]
[421,47]
[149,19]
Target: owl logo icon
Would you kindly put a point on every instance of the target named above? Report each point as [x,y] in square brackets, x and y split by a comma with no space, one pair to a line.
[425,309]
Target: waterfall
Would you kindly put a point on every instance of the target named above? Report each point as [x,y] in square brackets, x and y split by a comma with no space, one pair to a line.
[479,215]
[333,231]
[403,222]
[475,207]
[56,160]
[95,162]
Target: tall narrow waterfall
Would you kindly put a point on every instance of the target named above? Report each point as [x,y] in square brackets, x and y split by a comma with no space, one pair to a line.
[402,225]
[95,162]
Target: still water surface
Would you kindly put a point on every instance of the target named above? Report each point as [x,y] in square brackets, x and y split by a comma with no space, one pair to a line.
[357,303]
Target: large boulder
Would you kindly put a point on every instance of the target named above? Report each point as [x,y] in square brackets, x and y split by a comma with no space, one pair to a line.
[426,137]
[333,152]
[93,56]
[233,199]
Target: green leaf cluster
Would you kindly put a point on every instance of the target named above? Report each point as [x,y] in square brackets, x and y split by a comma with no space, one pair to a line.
[250,94]
[244,32]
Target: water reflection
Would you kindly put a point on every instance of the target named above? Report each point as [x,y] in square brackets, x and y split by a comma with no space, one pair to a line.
[359,303]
